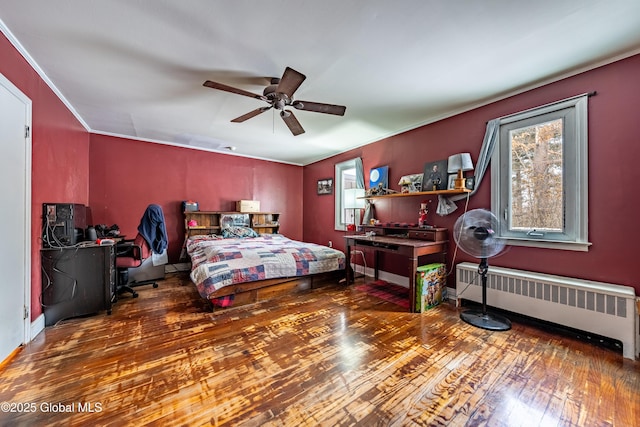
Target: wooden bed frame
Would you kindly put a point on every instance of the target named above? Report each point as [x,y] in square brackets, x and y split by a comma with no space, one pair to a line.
[262,290]
[250,292]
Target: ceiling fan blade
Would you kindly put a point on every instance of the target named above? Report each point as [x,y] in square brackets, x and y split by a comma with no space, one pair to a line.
[318,107]
[250,114]
[290,81]
[220,86]
[292,123]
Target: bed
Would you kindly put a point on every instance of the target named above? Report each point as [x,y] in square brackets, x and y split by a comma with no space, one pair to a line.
[235,270]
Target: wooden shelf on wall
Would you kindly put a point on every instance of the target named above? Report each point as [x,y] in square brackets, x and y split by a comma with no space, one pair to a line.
[420,193]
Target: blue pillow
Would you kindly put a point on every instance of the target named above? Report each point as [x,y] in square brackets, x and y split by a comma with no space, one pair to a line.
[236,231]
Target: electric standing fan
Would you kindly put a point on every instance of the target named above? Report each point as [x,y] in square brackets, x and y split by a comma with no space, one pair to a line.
[474,233]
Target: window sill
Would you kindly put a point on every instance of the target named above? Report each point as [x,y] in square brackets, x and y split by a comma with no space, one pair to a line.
[550,244]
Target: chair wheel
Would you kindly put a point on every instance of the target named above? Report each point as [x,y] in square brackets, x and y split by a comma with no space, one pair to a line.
[155,285]
[135,295]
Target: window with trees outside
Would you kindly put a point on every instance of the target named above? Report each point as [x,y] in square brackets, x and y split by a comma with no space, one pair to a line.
[539,176]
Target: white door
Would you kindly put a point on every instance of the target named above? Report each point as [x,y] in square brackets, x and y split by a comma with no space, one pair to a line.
[15,217]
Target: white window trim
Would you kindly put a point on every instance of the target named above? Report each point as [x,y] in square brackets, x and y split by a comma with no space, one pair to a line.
[579,178]
[338,192]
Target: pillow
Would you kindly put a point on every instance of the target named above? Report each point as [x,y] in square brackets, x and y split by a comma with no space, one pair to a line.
[236,231]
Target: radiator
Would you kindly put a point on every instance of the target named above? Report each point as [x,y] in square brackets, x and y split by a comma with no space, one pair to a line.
[600,308]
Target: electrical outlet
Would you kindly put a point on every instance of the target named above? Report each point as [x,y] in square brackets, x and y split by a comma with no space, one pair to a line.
[330,244]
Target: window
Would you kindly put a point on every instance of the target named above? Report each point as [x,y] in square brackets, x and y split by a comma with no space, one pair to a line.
[345,178]
[539,176]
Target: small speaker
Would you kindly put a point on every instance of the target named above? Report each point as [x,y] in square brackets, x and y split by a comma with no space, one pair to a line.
[91,234]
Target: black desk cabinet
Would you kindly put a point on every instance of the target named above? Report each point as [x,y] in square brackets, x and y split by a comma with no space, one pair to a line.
[77,281]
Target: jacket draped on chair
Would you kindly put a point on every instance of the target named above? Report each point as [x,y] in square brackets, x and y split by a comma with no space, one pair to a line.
[153,229]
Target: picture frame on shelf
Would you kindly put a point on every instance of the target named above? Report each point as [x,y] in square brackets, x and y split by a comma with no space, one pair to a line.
[451,181]
[411,183]
[470,183]
[325,186]
[435,176]
[379,177]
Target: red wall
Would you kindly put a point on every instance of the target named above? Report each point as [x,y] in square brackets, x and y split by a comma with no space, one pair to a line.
[128,175]
[614,153]
[118,178]
[60,153]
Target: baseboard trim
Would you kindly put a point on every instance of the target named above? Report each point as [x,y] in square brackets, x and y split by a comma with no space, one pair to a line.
[174,268]
[37,326]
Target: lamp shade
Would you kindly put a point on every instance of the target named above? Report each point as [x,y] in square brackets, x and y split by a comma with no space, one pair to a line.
[459,162]
[353,198]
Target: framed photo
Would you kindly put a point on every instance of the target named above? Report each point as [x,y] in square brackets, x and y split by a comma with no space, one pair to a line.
[470,182]
[435,176]
[379,175]
[325,186]
[411,183]
[451,182]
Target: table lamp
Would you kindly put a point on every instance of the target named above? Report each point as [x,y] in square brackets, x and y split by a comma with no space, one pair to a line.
[353,199]
[459,163]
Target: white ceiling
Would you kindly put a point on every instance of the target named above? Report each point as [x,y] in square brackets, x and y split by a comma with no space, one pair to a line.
[135,68]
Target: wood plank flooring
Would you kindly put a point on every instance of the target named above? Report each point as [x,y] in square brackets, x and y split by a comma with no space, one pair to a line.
[329,357]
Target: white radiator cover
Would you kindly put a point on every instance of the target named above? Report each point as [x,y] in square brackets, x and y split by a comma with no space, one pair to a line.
[600,308]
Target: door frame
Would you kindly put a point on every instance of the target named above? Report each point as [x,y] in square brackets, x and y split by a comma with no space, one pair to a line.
[6,83]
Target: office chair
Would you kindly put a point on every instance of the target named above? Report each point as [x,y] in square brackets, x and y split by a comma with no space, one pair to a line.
[151,238]
[131,254]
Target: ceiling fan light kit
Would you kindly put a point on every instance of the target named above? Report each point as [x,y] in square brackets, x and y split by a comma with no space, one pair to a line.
[279,95]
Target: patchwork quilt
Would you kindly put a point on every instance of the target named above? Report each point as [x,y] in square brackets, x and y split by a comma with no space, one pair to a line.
[218,262]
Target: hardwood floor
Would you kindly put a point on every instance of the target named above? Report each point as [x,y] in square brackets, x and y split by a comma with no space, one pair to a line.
[330,357]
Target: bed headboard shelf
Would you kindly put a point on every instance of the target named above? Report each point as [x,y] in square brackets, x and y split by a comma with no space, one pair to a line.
[211,222]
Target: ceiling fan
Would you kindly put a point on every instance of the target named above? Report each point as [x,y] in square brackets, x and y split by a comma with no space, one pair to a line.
[279,94]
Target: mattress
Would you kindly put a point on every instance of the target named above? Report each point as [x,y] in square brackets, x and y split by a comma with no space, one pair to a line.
[217,262]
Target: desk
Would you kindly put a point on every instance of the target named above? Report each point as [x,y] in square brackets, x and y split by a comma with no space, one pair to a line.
[77,281]
[410,248]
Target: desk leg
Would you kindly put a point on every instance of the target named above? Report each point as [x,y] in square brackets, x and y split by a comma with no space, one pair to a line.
[413,268]
[347,267]
[376,262]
